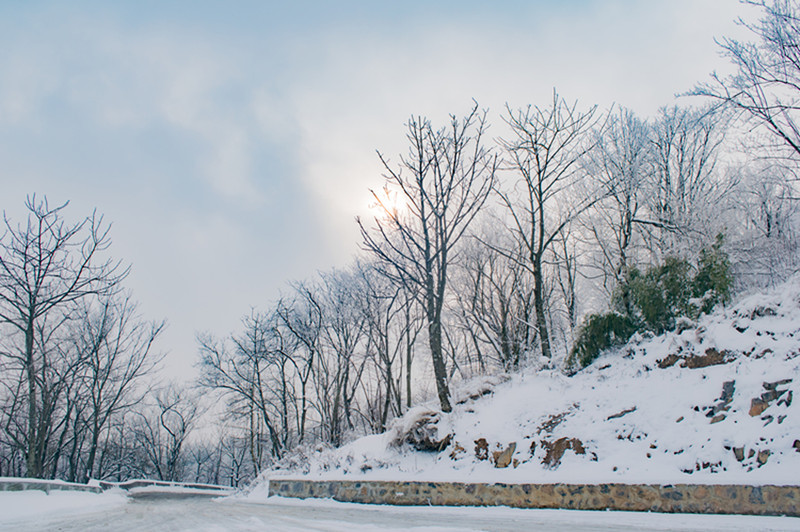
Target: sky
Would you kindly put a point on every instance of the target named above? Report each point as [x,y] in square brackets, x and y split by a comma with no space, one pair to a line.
[232,144]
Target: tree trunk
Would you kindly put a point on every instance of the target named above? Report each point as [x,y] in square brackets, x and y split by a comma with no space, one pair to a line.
[33,462]
[538,303]
[439,370]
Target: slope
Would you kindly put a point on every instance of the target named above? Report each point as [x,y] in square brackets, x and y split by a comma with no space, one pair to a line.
[710,403]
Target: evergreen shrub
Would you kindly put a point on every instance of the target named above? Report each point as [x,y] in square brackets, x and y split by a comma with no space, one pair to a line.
[654,301]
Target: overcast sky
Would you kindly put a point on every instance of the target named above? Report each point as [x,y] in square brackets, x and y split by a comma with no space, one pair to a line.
[231,144]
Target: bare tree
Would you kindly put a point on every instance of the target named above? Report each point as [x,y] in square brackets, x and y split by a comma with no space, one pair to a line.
[339,372]
[115,344]
[766,85]
[300,323]
[393,326]
[687,179]
[46,266]
[442,184]
[622,162]
[495,305]
[253,375]
[161,433]
[546,152]
[764,249]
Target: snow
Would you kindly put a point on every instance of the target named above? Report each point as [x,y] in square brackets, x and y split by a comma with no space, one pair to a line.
[637,422]
[32,505]
[246,513]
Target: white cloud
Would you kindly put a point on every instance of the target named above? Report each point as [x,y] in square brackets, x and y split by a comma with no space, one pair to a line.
[245,120]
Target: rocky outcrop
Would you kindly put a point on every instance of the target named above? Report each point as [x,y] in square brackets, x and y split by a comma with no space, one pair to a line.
[711,357]
[759,404]
[717,411]
[424,433]
[554,451]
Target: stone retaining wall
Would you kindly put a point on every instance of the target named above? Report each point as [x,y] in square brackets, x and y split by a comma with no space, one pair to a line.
[686,498]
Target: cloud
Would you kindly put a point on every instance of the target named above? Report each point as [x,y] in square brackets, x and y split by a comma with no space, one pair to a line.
[353,87]
[232,148]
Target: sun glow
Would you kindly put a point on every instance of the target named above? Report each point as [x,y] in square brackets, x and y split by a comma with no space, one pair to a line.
[385,204]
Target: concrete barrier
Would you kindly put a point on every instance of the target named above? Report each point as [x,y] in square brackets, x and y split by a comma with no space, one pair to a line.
[677,498]
[26,484]
[144,483]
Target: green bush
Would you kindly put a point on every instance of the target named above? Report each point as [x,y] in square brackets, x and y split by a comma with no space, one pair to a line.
[598,333]
[713,281]
[654,300]
[661,294]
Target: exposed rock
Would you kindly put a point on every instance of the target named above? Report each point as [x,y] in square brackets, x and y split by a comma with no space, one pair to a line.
[552,422]
[668,361]
[620,414]
[763,456]
[423,434]
[774,385]
[738,452]
[503,458]
[728,388]
[712,357]
[786,401]
[757,407]
[699,466]
[555,451]
[796,445]
[481,449]
[772,395]
[759,404]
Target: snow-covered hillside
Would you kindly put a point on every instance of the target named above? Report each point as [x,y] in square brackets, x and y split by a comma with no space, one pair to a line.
[712,403]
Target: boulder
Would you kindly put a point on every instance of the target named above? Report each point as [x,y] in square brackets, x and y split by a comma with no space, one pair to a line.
[422,431]
[762,457]
[503,458]
[757,407]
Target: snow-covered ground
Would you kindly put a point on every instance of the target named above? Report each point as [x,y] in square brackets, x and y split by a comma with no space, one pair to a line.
[102,513]
[710,404]
[31,506]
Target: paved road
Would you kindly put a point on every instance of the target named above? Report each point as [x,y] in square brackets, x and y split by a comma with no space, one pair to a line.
[290,515]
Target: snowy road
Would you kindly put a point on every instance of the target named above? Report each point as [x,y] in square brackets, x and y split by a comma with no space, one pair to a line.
[293,515]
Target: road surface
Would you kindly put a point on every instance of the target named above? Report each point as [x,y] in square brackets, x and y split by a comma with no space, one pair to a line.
[277,514]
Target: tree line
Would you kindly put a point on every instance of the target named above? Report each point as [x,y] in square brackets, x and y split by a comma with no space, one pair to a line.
[486,255]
